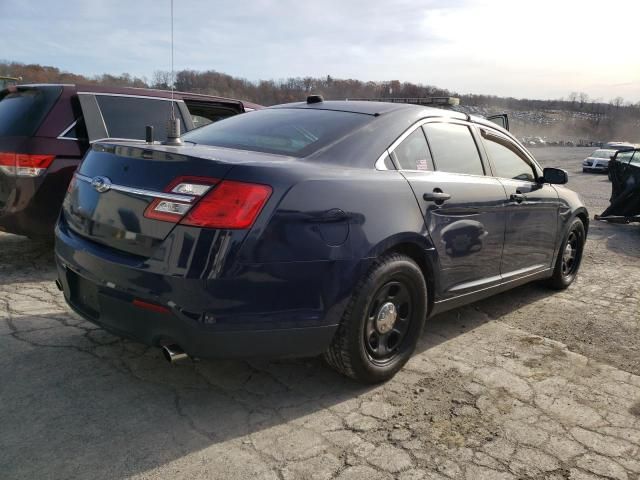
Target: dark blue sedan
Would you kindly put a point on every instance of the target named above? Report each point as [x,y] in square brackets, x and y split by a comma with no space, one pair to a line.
[330,228]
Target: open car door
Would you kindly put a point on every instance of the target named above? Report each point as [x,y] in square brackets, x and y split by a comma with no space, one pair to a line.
[624,172]
[125,117]
[502,120]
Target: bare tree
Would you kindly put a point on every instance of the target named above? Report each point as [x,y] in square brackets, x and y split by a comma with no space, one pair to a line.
[584,98]
[617,102]
[161,79]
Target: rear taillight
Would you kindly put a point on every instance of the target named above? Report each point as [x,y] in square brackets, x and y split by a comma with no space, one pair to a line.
[23,164]
[173,210]
[231,204]
[226,204]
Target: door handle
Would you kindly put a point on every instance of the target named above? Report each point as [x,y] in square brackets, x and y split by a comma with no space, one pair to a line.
[437,196]
[517,197]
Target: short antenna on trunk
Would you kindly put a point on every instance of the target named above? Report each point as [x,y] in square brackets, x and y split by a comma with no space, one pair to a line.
[173,132]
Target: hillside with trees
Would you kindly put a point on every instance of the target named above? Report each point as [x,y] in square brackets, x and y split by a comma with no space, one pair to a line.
[575,117]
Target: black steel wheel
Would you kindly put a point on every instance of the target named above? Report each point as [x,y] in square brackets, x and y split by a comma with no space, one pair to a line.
[387,322]
[382,322]
[569,256]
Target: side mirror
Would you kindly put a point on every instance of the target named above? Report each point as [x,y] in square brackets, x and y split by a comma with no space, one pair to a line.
[555,176]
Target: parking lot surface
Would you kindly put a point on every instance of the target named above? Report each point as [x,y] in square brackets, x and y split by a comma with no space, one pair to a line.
[530,384]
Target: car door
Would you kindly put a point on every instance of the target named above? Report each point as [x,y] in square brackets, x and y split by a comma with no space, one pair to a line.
[123,116]
[532,210]
[463,208]
[501,119]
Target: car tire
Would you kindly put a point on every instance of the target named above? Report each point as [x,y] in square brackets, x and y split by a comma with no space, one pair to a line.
[382,322]
[569,256]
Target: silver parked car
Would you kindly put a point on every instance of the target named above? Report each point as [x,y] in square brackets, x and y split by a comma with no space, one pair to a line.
[598,161]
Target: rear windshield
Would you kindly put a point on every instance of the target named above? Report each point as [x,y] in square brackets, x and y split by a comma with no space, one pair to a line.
[22,112]
[283,131]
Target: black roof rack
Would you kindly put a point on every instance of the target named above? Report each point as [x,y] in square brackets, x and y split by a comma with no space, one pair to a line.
[441,101]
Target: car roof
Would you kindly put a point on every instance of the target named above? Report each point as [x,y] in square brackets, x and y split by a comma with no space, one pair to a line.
[370,108]
[147,92]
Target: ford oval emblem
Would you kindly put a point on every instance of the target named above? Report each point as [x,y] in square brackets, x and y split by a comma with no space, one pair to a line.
[101,184]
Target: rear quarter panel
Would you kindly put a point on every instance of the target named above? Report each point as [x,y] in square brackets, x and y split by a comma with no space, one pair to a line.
[339,214]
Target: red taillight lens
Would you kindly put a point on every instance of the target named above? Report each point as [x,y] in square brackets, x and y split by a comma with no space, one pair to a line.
[232,205]
[23,164]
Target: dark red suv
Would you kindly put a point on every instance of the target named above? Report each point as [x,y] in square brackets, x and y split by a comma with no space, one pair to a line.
[45,131]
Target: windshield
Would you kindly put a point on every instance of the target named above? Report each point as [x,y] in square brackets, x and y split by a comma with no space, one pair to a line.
[22,111]
[283,131]
[603,154]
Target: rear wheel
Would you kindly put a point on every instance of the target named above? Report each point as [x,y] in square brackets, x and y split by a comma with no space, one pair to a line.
[382,322]
[569,256]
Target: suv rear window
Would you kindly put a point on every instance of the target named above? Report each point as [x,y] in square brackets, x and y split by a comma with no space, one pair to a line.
[22,112]
[127,117]
[283,131]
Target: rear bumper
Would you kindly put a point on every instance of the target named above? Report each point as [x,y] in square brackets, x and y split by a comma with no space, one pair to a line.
[263,310]
[120,317]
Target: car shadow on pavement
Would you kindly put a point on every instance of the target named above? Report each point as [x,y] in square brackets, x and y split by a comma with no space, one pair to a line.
[460,321]
[24,260]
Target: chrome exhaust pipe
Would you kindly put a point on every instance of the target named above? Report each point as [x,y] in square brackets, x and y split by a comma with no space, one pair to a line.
[173,353]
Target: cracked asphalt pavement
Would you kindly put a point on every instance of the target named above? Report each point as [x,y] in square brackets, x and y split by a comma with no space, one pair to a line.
[529,384]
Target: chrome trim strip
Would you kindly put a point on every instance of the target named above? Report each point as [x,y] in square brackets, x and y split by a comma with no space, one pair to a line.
[130,96]
[497,285]
[504,276]
[118,139]
[141,191]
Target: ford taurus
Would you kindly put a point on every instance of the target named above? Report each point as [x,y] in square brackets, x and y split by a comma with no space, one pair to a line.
[322,227]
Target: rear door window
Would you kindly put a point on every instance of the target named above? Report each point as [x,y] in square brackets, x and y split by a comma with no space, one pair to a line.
[22,111]
[453,148]
[413,153]
[127,117]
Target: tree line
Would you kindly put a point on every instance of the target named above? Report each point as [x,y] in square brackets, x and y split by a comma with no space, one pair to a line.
[271,92]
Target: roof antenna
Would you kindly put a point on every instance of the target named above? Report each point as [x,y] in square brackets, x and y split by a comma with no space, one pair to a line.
[173,132]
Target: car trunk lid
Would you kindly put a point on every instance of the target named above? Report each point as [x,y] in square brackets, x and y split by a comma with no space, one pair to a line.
[116,184]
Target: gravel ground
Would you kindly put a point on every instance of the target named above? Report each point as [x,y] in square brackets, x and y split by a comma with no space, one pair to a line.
[529,384]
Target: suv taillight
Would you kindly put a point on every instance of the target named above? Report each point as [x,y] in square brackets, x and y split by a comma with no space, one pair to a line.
[218,204]
[23,164]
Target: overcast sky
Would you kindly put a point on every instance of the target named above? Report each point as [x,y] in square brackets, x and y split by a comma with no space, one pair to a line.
[520,48]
